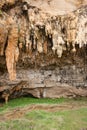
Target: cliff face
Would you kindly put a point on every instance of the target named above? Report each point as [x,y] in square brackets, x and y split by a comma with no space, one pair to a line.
[46,46]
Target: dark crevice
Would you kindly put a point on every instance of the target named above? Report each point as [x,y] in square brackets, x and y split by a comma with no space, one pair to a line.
[6,7]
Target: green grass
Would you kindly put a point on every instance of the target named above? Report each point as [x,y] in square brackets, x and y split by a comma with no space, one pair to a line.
[1,12]
[24,101]
[41,120]
[75,119]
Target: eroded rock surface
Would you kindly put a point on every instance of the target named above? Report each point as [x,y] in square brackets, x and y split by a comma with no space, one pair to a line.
[48,48]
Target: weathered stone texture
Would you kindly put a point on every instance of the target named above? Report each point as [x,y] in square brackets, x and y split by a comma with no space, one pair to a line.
[49,50]
[12,52]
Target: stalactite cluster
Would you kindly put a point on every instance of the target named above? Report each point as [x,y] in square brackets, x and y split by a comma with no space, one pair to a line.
[29,29]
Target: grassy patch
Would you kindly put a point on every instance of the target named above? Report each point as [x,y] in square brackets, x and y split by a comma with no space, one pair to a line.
[24,101]
[75,119]
[41,120]
[1,12]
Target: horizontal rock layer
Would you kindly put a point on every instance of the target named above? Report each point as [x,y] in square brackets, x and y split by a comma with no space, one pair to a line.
[53,45]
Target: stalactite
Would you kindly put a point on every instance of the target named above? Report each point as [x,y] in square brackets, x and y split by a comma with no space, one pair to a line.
[39,46]
[32,30]
[3,38]
[80,37]
[12,52]
[45,47]
[48,29]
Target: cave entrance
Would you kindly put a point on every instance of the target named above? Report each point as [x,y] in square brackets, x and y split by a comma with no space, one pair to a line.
[29,95]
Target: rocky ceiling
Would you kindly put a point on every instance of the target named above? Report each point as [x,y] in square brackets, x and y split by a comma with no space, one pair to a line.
[42,33]
[27,25]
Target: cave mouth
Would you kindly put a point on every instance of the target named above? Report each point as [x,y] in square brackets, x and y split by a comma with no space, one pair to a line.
[21,94]
[1,101]
[28,96]
[17,96]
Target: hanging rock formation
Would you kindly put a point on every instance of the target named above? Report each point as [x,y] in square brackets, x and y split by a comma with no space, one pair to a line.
[12,52]
[31,37]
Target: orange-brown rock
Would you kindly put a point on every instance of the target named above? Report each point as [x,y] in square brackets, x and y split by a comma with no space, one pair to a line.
[12,52]
[3,38]
[37,39]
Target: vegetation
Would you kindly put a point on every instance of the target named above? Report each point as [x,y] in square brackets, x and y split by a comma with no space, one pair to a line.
[68,119]
[24,101]
[0,12]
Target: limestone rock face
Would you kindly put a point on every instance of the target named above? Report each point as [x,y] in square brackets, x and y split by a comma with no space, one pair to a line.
[3,38]
[12,52]
[38,35]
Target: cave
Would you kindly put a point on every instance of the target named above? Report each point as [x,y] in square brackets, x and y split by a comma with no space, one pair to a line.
[43,51]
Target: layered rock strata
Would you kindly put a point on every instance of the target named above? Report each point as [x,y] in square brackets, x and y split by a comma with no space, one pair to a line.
[33,38]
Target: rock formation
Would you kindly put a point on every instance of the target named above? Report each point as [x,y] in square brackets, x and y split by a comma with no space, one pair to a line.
[31,37]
